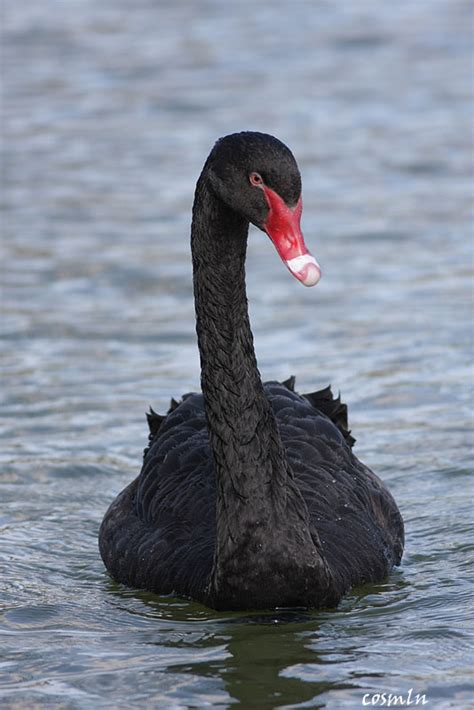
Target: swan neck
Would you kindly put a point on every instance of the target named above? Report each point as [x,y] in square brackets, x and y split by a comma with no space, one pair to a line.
[242,428]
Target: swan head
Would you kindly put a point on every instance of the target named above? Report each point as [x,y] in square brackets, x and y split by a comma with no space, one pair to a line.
[257,176]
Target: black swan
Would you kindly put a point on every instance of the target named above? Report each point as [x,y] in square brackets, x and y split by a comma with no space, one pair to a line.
[249,496]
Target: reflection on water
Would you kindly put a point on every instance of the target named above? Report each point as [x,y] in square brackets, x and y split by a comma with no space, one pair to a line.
[109,113]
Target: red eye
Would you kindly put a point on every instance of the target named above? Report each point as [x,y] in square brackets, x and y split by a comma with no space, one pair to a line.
[255,179]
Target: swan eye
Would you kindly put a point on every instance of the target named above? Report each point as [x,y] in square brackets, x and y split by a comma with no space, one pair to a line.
[255,179]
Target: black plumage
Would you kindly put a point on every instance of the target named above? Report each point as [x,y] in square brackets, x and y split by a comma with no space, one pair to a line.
[250,495]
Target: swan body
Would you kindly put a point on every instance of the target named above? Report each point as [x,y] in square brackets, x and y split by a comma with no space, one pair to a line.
[250,496]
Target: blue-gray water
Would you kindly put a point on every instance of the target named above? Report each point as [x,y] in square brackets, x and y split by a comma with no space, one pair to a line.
[110,109]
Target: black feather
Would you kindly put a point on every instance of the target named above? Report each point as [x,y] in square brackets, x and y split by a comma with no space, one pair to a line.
[324,401]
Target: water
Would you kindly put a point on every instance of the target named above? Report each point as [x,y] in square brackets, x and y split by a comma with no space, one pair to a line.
[110,110]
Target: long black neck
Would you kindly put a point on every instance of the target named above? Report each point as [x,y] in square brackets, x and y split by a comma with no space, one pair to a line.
[244,437]
[259,507]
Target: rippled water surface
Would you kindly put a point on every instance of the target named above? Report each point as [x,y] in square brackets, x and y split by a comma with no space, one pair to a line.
[110,109]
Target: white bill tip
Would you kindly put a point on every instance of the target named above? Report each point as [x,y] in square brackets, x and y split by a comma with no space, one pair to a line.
[305,268]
